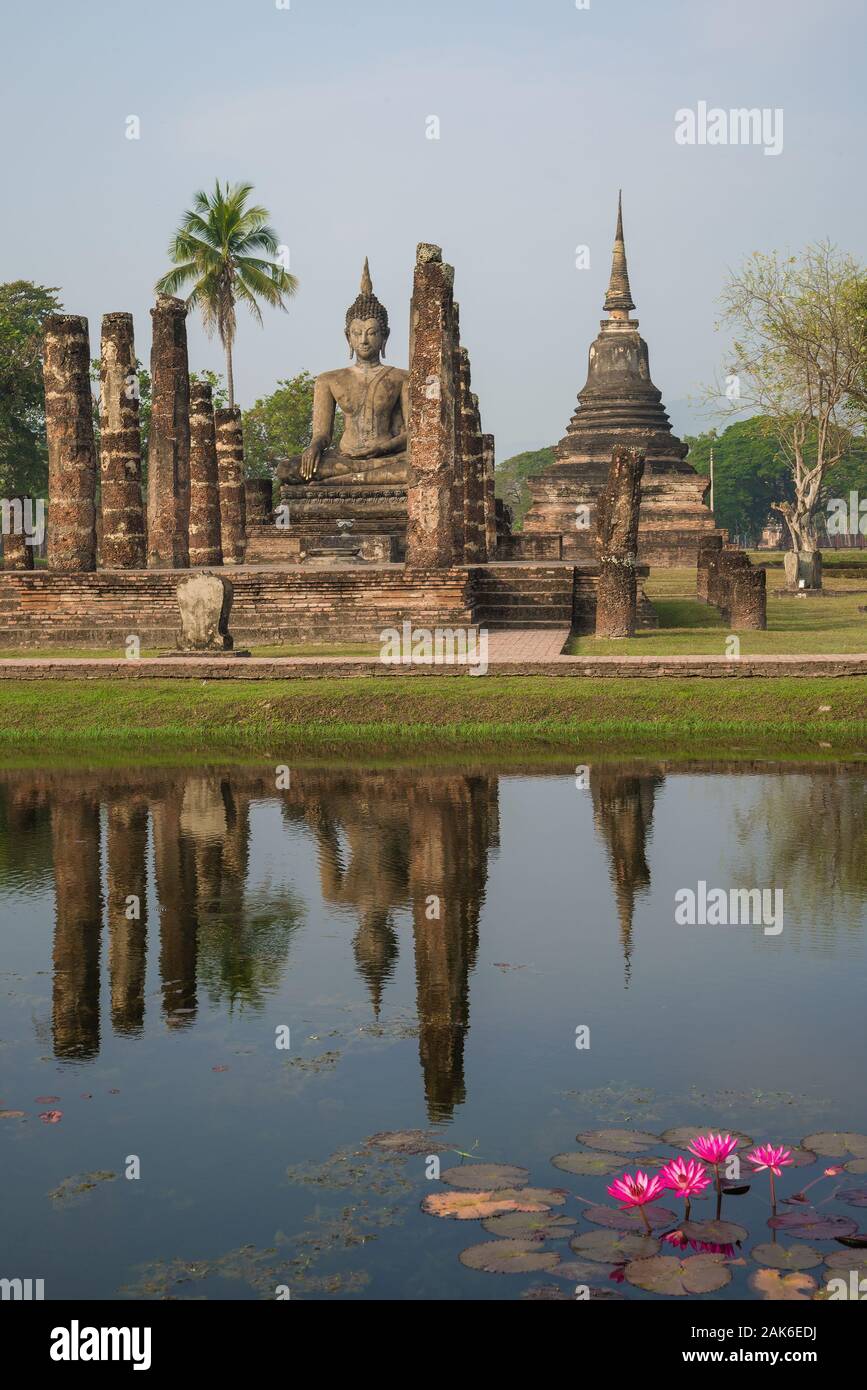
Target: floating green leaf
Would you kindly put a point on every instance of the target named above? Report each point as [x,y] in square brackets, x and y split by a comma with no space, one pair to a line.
[620,1141]
[509,1256]
[834,1143]
[472,1206]
[682,1136]
[589,1164]
[529,1223]
[715,1232]
[613,1247]
[408,1141]
[485,1175]
[814,1225]
[787,1256]
[667,1275]
[629,1220]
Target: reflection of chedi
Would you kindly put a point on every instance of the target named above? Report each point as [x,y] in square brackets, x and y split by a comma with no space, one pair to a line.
[374,400]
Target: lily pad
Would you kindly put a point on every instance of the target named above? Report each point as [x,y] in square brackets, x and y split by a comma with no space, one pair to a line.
[545,1293]
[12,1114]
[785,1288]
[668,1275]
[857,1165]
[621,1141]
[787,1256]
[715,1232]
[485,1175]
[837,1142]
[509,1256]
[472,1206]
[629,1220]
[842,1259]
[588,1164]
[854,1196]
[407,1141]
[856,1242]
[580,1271]
[682,1135]
[522,1224]
[612,1247]
[814,1225]
[801,1157]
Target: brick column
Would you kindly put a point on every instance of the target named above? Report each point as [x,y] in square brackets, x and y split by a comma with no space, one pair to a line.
[708,553]
[230,467]
[457,496]
[475,550]
[169,441]
[617,543]
[431,428]
[748,600]
[122,540]
[17,554]
[490,501]
[205,533]
[71,450]
[259,501]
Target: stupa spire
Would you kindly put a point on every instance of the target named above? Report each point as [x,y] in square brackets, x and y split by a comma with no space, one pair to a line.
[618,299]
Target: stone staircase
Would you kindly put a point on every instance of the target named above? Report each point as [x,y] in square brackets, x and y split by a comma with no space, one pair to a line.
[522,596]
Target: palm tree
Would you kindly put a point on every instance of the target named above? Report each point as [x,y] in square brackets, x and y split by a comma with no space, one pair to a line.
[225,247]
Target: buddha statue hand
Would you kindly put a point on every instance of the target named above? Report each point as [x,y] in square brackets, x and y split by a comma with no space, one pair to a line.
[311,456]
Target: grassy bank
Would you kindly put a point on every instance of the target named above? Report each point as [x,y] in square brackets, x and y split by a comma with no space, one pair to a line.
[146,721]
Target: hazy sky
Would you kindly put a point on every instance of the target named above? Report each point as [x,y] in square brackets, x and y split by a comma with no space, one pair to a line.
[545,110]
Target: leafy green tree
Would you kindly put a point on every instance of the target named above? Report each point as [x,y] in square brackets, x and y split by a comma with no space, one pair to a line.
[23,452]
[510,480]
[223,247]
[281,425]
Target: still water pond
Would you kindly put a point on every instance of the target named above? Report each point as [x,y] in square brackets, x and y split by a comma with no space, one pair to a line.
[215,989]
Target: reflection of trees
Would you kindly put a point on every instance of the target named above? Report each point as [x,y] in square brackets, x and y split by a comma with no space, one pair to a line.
[622,814]
[807,834]
[242,958]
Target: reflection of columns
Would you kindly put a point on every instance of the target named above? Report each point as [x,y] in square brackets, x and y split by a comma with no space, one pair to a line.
[453,822]
[176,888]
[622,813]
[126,843]
[77,925]
[71,449]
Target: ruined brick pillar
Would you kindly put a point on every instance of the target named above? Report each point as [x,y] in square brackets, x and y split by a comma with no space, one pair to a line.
[230,467]
[457,497]
[747,610]
[205,547]
[122,535]
[490,501]
[71,450]
[617,543]
[475,549]
[709,548]
[169,440]
[259,501]
[430,537]
[723,568]
[17,554]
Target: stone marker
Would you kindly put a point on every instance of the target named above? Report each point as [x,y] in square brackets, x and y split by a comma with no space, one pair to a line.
[71,450]
[17,554]
[709,548]
[122,536]
[205,601]
[803,569]
[205,546]
[747,608]
[489,458]
[169,440]
[230,468]
[617,543]
[430,535]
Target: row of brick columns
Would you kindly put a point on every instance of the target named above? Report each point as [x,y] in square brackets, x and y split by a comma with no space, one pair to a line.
[195,511]
[451,515]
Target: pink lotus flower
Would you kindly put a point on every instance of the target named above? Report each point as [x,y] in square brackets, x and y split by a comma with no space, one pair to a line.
[766,1156]
[636,1191]
[833,1171]
[687,1178]
[713,1148]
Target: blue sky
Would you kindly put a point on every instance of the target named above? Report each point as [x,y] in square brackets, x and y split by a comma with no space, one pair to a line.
[544,110]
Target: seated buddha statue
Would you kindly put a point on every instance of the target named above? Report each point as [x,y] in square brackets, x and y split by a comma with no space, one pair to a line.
[374,400]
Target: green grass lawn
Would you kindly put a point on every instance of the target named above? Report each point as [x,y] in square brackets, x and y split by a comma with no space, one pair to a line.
[432,717]
[830,623]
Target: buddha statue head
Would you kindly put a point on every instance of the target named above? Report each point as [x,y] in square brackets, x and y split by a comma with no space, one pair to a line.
[367,327]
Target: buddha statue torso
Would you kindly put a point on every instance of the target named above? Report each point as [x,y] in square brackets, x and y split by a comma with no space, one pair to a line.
[374,402]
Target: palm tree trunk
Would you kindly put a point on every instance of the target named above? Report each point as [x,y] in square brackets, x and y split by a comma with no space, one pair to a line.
[230,380]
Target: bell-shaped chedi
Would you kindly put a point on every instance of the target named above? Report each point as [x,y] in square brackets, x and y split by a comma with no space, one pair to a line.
[619,404]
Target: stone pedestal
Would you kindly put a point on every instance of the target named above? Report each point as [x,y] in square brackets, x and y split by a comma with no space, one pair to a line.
[169,439]
[205,602]
[230,464]
[71,449]
[803,569]
[431,427]
[205,541]
[747,607]
[122,534]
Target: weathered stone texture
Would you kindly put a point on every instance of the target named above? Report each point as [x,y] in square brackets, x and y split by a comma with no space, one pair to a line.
[747,609]
[708,551]
[490,501]
[258,494]
[430,531]
[169,440]
[122,531]
[475,552]
[71,449]
[803,569]
[205,546]
[230,467]
[17,554]
[205,602]
[617,542]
